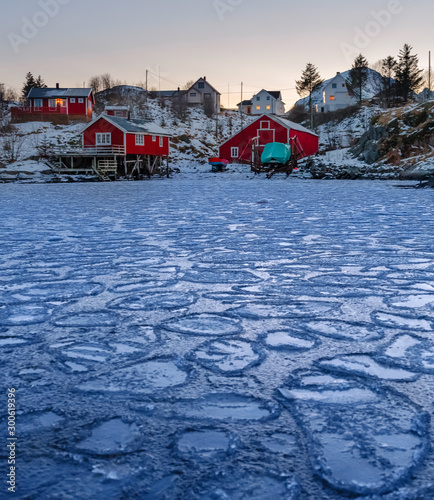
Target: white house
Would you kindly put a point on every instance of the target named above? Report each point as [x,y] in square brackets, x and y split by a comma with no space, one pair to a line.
[336,96]
[201,94]
[264,103]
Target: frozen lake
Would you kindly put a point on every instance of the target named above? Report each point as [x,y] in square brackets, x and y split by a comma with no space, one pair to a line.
[217,338]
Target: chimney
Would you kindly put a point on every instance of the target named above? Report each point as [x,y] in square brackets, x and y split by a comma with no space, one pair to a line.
[204,78]
[57,86]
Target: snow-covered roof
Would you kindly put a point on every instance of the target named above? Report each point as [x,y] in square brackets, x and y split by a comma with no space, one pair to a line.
[133,126]
[292,125]
[54,93]
[116,108]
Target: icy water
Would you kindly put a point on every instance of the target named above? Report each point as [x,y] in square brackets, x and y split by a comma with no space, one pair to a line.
[218,338]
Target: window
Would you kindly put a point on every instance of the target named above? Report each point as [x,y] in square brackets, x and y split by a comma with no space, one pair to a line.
[343,85]
[234,152]
[161,142]
[334,85]
[89,104]
[80,100]
[72,100]
[258,107]
[140,140]
[268,98]
[258,98]
[52,103]
[193,94]
[201,85]
[207,96]
[37,103]
[103,139]
[332,98]
[268,107]
[154,138]
[265,125]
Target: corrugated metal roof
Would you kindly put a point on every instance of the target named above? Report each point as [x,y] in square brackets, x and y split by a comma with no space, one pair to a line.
[48,93]
[137,126]
[292,125]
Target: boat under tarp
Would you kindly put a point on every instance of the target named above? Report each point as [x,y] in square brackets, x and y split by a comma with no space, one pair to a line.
[276,153]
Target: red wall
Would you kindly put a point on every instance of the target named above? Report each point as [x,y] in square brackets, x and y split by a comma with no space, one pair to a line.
[102,126]
[77,109]
[309,142]
[150,147]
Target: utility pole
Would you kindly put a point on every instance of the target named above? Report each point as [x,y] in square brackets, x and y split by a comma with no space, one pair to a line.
[241,106]
[429,75]
[146,85]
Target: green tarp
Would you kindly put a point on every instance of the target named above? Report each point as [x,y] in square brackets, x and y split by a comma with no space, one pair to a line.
[276,152]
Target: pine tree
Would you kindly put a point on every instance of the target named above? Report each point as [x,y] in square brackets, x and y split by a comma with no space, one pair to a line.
[408,75]
[310,80]
[388,70]
[28,85]
[39,83]
[358,77]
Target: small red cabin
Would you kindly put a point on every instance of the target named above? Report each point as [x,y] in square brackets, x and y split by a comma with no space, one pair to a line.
[266,129]
[120,111]
[126,137]
[47,104]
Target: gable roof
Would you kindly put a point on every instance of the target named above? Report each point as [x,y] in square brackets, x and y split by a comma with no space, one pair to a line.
[333,80]
[54,93]
[132,126]
[275,94]
[206,81]
[281,121]
[245,103]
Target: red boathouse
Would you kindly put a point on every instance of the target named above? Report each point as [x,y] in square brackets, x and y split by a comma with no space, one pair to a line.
[56,104]
[240,148]
[128,137]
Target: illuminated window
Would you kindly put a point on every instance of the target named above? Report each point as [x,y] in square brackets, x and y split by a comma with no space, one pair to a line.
[332,98]
[268,107]
[346,95]
[258,107]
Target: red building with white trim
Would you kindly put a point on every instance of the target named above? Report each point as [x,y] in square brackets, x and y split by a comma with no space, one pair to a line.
[127,137]
[56,104]
[266,129]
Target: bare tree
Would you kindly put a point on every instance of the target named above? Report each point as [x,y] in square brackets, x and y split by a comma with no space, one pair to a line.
[11,145]
[106,81]
[188,85]
[209,107]
[95,83]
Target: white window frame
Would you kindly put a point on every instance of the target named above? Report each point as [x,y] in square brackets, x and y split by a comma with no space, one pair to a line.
[235,152]
[36,102]
[193,94]
[154,138]
[161,142]
[263,127]
[140,140]
[52,103]
[103,139]
[80,100]
[72,100]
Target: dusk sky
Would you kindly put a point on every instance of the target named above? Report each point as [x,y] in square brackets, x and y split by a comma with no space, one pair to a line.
[265,44]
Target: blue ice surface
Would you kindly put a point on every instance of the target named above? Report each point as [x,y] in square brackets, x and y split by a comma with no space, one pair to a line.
[177,339]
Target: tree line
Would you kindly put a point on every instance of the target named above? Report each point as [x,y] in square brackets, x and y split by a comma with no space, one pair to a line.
[400,77]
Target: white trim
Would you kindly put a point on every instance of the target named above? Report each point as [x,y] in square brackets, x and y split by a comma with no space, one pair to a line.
[161,143]
[265,128]
[235,152]
[116,125]
[140,139]
[103,139]
[80,100]
[72,100]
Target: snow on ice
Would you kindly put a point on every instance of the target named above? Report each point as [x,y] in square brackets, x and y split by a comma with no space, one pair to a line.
[178,339]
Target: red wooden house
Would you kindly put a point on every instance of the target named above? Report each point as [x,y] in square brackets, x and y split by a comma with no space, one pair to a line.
[239,148]
[126,137]
[56,104]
